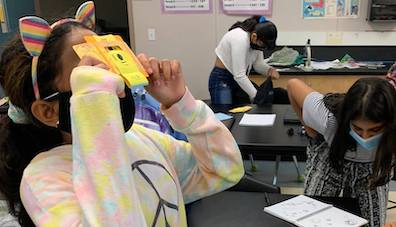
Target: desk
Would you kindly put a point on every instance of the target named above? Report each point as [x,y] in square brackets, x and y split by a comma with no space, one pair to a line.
[272,140]
[238,209]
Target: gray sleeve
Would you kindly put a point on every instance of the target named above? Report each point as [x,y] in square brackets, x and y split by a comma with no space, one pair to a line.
[318,117]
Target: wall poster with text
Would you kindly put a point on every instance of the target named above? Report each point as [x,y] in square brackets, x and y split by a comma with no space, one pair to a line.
[246,7]
[186,6]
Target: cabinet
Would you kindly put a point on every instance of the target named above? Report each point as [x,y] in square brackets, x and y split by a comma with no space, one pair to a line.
[321,83]
[382,10]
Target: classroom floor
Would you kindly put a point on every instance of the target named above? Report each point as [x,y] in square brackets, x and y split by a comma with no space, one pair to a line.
[287,180]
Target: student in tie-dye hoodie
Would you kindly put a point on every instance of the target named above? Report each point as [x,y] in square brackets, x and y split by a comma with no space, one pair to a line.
[100,175]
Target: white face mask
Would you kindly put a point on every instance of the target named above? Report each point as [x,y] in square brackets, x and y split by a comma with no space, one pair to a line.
[368,144]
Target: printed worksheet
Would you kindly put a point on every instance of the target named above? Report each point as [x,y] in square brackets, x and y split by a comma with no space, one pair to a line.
[307,212]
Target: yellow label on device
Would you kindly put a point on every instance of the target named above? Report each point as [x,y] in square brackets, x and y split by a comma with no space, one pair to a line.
[113,51]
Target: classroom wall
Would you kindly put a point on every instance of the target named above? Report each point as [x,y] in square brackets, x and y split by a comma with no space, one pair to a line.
[192,38]
[51,9]
[14,9]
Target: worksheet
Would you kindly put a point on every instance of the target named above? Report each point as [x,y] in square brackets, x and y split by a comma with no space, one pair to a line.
[307,212]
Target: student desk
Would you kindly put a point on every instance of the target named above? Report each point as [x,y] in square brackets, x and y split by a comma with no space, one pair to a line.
[261,141]
[236,209]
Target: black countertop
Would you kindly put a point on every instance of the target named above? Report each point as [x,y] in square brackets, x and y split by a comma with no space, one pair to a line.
[344,71]
[376,54]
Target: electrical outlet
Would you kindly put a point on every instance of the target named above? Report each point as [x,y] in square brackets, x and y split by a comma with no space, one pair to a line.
[334,38]
[151,34]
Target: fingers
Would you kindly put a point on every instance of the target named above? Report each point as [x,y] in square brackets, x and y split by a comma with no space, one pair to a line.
[145,63]
[160,71]
[155,75]
[176,69]
[166,69]
[274,74]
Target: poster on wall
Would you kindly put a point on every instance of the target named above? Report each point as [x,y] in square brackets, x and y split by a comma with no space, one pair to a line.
[312,9]
[247,7]
[186,6]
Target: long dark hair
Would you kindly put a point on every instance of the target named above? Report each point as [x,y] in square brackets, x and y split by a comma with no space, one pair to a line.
[20,143]
[266,31]
[372,99]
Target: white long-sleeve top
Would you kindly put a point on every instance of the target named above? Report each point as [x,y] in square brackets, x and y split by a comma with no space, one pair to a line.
[238,57]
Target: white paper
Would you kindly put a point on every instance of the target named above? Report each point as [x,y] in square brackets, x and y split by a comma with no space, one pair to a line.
[296,208]
[321,65]
[307,212]
[257,120]
[332,217]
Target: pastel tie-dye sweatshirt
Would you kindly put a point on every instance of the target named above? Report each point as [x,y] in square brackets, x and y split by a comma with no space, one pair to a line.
[139,178]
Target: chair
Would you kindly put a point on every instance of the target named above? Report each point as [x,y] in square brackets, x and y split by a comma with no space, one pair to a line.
[250,184]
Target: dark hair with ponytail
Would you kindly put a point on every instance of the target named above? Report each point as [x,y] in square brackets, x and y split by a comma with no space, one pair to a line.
[372,99]
[266,30]
[20,143]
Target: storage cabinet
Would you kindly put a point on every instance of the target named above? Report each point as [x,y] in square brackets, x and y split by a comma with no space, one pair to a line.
[382,10]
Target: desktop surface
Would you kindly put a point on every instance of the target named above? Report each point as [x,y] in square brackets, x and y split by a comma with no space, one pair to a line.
[231,209]
[265,140]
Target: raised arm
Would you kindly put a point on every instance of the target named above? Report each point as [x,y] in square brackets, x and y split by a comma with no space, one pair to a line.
[211,161]
[298,91]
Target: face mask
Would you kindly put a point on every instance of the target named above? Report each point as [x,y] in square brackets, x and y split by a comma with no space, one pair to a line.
[127,107]
[257,47]
[368,144]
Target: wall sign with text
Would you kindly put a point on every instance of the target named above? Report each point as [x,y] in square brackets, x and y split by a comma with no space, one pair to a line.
[247,7]
[186,6]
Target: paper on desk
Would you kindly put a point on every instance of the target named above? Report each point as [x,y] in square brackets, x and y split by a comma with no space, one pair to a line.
[321,65]
[257,120]
[307,212]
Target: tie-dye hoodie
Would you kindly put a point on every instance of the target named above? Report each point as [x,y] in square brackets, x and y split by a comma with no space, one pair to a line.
[139,178]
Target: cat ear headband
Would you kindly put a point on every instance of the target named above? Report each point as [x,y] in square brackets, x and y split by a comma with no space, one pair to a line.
[35,31]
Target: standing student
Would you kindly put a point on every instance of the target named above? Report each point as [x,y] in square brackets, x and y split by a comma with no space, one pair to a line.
[353,146]
[102,172]
[240,50]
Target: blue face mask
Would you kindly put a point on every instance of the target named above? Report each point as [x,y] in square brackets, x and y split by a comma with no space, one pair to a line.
[368,144]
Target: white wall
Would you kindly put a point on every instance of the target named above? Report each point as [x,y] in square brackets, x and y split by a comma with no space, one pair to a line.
[192,38]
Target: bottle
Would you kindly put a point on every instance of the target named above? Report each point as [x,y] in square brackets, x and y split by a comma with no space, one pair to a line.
[308,55]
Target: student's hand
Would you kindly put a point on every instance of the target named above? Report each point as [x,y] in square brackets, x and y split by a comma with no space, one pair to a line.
[391,224]
[166,82]
[273,73]
[310,132]
[85,79]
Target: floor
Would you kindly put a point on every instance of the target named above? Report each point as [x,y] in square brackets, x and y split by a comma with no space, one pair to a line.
[289,182]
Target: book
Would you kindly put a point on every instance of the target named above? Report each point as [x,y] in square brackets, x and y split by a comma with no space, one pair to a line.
[304,211]
[257,120]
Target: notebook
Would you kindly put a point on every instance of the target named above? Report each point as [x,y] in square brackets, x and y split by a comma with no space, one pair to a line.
[304,211]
